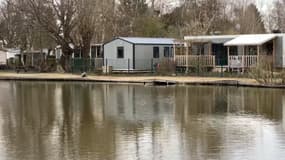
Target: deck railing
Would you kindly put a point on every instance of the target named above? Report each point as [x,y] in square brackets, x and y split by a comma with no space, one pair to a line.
[240,61]
[195,60]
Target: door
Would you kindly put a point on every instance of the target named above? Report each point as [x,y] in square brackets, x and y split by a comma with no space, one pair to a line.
[220,51]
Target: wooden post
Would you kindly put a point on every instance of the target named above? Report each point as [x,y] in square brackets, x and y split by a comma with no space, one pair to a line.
[90,52]
[32,59]
[187,58]
[210,54]
[228,58]
[210,48]
[274,53]
[174,50]
[258,55]
[128,65]
[243,54]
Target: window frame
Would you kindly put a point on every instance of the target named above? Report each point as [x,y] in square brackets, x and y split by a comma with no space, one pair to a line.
[233,50]
[156,51]
[168,53]
[120,48]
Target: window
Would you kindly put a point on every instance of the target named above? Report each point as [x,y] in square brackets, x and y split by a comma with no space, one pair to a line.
[120,52]
[166,52]
[93,52]
[198,49]
[155,52]
[77,53]
[234,50]
[251,50]
[96,51]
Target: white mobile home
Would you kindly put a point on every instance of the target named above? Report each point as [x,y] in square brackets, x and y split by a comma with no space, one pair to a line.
[135,53]
[3,57]
[7,54]
[95,52]
[233,51]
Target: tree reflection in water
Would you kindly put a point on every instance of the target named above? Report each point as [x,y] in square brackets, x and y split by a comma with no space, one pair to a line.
[41,120]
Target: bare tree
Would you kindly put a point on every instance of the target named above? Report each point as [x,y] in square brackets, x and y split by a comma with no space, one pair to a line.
[276,19]
[107,22]
[57,17]
[248,19]
[7,26]
[17,31]
[87,18]
[197,17]
[128,12]
[14,27]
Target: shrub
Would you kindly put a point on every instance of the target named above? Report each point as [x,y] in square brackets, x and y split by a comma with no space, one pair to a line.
[264,71]
[166,67]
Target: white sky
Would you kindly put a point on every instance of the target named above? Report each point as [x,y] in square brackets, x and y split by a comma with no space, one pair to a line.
[263,5]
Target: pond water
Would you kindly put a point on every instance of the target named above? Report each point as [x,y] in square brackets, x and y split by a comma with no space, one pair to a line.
[44,120]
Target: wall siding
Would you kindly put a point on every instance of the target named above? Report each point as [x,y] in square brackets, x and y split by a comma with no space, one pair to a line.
[279,49]
[282,49]
[110,55]
[144,56]
[3,58]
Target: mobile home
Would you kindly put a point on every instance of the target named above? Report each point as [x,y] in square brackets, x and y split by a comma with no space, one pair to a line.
[232,51]
[7,56]
[136,53]
[96,51]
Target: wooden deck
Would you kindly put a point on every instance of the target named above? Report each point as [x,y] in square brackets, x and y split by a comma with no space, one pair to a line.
[234,62]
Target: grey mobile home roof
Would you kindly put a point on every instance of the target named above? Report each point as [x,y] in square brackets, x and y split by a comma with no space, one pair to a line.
[149,41]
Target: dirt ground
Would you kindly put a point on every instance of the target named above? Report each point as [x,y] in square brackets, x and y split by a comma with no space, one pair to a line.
[124,78]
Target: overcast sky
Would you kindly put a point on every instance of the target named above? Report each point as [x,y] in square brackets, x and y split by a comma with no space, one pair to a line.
[265,5]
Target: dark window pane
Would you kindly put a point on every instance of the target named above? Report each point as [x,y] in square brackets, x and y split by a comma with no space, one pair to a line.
[166,52]
[155,52]
[198,49]
[93,52]
[77,53]
[251,50]
[99,52]
[234,50]
[120,52]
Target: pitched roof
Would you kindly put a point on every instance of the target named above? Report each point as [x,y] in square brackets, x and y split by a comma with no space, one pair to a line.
[142,40]
[251,40]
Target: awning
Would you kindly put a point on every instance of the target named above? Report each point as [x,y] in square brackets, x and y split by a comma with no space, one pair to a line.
[216,39]
[251,40]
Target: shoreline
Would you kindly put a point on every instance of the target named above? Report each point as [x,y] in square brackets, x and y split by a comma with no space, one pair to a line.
[139,79]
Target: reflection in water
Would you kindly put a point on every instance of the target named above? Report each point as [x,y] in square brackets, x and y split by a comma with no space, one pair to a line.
[121,122]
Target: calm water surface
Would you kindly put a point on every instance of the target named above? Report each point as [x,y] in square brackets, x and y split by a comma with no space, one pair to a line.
[40,120]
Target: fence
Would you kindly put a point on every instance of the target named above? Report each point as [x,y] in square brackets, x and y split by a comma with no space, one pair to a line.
[194,60]
[166,66]
[243,61]
[144,65]
[86,65]
[200,65]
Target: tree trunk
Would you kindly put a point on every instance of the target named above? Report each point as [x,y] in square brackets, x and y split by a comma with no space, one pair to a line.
[86,52]
[65,60]
[86,48]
